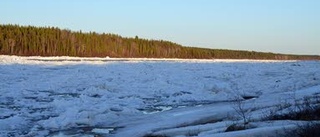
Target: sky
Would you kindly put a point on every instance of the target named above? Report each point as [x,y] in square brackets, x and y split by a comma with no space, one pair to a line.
[280,26]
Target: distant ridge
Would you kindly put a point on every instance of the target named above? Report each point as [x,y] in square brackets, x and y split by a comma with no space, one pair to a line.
[52,41]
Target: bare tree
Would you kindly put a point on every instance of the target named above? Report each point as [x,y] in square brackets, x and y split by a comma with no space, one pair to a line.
[242,110]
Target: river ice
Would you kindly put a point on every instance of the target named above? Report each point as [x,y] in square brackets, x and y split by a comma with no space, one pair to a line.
[68,96]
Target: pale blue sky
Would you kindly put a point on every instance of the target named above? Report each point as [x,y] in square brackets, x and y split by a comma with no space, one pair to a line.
[282,26]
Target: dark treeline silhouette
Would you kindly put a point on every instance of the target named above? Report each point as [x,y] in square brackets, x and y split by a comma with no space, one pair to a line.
[51,41]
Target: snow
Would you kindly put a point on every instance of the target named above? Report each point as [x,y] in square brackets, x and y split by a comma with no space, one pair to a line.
[267,131]
[71,96]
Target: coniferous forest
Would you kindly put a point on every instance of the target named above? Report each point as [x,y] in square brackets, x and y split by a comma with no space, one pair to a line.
[52,41]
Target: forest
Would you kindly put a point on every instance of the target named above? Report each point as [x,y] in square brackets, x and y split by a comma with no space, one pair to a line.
[52,41]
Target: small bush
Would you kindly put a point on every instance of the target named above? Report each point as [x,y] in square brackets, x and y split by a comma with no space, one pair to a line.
[242,110]
[305,130]
[307,110]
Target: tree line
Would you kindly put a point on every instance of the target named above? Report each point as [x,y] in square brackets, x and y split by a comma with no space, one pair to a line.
[52,41]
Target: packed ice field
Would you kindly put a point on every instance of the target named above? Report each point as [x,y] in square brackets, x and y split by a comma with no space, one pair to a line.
[70,96]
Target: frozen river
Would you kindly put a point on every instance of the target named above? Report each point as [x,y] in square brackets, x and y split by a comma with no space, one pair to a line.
[64,96]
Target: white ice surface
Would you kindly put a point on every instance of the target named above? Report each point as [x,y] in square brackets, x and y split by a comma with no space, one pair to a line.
[60,96]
